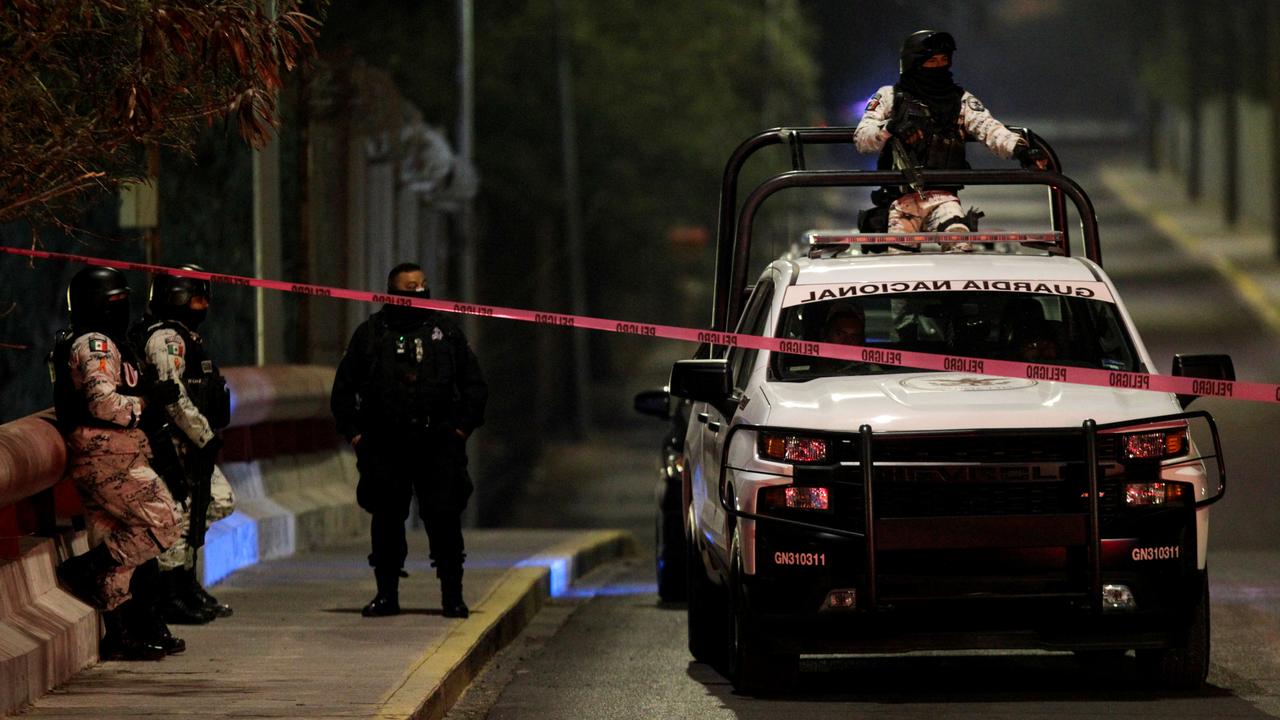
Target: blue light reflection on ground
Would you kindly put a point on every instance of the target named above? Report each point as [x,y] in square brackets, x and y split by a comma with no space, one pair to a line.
[614,590]
[559,567]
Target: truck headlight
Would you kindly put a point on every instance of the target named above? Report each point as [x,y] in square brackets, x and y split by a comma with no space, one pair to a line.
[792,448]
[1154,444]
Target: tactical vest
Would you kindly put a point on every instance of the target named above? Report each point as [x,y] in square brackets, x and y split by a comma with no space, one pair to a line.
[941,148]
[205,385]
[412,378]
[69,403]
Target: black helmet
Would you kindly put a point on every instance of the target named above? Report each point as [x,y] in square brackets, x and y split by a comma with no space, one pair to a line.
[171,297]
[98,298]
[922,45]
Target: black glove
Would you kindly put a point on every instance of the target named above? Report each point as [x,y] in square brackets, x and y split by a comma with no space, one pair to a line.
[199,464]
[905,128]
[162,394]
[1030,157]
[219,414]
[211,449]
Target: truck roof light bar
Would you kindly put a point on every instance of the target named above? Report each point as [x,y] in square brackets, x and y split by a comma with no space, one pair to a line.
[828,240]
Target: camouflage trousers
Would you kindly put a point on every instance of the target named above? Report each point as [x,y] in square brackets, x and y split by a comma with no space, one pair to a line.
[222,501]
[129,509]
[923,212]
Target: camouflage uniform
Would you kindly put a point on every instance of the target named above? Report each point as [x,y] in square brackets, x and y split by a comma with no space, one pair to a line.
[934,209]
[167,351]
[127,507]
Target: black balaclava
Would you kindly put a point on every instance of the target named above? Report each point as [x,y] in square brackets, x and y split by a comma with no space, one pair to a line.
[98,298]
[934,86]
[171,298]
[404,316]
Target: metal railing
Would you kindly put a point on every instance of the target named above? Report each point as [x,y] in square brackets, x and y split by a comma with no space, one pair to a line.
[733,231]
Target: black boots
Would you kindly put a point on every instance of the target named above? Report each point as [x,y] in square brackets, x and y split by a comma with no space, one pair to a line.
[387,601]
[199,595]
[141,614]
[451,595]
[81,573]
[145,625]
[177,605]
[122,640]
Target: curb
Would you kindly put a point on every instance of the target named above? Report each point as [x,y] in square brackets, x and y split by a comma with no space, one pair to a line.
[438,678]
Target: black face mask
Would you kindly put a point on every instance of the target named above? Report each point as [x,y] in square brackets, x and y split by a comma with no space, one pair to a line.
[420,294]
[193,318]
[406,314]
[115,319]
[934,86]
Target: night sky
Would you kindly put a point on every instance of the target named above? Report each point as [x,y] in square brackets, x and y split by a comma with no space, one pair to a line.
[1026,59]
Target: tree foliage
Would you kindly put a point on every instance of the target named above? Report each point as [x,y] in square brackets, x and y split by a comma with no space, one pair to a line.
[662,93]
[84,84]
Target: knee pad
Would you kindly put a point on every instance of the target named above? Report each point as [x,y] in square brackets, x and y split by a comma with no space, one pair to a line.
[955,223]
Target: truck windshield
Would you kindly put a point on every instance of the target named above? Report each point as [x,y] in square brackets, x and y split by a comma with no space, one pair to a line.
[1049,329]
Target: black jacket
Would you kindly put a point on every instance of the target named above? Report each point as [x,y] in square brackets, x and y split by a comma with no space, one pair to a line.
[408,370]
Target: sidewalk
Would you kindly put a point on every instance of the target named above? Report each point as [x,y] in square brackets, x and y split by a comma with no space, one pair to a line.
[297,646]
[1244,255]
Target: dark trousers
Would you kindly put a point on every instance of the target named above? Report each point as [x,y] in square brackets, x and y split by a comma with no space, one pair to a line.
[395,467]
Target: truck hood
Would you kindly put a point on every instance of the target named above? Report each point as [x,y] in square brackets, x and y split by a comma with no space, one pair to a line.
[942,401]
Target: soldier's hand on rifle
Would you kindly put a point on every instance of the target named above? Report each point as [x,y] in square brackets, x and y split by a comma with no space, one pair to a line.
[905,129]
[211,449]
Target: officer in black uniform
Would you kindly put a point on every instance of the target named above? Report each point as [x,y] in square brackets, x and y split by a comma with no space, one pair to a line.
[407,395]
[185,436]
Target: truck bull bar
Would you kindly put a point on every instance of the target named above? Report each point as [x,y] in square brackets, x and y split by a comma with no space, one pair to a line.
[1088,432]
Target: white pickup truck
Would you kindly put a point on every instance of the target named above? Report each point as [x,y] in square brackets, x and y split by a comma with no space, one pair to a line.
[861,506]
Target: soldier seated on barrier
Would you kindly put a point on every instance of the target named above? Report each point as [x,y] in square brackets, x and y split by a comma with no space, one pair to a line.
[100,397]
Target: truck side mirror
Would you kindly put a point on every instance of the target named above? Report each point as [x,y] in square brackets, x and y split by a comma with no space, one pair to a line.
[701,380]
[1209,367]
[654,402]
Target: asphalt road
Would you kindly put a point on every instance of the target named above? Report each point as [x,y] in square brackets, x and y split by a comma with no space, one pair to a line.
[614,651]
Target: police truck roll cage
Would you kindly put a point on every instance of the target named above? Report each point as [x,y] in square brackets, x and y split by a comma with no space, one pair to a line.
[734,229]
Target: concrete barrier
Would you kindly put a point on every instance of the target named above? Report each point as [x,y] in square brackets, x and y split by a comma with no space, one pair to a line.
[295,484]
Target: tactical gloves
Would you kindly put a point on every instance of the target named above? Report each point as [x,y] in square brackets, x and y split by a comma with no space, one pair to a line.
[905,128]
[1030,157]
[162,394]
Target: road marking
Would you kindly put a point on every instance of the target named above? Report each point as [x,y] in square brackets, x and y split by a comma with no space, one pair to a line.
[1248,289]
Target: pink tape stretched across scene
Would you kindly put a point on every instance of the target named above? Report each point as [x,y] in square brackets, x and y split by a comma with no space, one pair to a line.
[1228,389]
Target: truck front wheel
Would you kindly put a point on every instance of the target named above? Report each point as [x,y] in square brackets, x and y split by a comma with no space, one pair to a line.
[1186,665]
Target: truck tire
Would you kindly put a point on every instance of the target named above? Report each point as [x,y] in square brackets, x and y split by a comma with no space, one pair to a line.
[706,604]
[756,665]
[671,558]
[1185,666]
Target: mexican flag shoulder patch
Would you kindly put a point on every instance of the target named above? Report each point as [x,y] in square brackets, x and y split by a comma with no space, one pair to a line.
[97,345]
